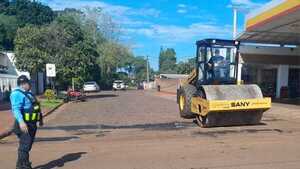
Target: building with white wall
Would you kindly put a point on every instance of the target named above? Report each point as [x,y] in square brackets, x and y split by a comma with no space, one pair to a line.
[271,52]
[9,74]
[275,68]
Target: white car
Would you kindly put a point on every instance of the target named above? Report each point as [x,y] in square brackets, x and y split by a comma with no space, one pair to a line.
[119,85]
[91,87]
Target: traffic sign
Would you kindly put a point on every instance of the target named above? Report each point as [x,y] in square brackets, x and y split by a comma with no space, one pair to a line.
[50,70]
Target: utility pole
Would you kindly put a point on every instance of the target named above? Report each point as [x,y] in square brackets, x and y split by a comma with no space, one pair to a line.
[234,23]
[73,84]
[148,79]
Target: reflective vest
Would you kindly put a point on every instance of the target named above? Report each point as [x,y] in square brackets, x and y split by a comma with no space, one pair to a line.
[33,114]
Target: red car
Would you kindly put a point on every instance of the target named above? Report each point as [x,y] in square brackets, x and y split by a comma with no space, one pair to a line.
[73,95]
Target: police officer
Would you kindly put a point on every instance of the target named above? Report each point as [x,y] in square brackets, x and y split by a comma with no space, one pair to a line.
[27,113]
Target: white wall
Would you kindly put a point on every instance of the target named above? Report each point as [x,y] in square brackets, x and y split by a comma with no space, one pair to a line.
[282,78]
[6,81]
[281,58]
[9,79]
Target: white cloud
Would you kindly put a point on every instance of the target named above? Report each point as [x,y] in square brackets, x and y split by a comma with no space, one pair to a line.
[182,11]
[181,5]
[123,15]
[244,4]
[137,46]
[144,12]
[182,8]
[133,23]
[168,33]
[142,31]
[114,10]
[78,4]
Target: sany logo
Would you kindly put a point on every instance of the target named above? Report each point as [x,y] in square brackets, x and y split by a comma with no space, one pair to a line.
[240,104]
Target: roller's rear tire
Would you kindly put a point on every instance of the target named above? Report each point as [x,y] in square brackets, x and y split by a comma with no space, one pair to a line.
[185,94]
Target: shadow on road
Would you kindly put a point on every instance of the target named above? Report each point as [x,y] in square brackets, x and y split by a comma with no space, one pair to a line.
[99,96]
[294,101]
[61,161]
[54,139]
[154,126]
[215,134]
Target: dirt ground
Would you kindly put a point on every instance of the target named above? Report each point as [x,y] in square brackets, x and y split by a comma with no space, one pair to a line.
[143,130]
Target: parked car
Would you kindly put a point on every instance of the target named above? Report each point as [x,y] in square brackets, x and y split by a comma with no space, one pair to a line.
[91,87]
[119,85]
[74,95]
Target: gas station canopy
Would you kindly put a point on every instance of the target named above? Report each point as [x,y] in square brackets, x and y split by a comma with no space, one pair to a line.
[278,22]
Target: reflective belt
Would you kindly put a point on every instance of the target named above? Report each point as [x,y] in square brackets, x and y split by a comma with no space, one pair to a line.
[27,117]
[36,107]
[31,117]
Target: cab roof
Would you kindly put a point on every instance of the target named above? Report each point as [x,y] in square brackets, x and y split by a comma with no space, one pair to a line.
[222,42]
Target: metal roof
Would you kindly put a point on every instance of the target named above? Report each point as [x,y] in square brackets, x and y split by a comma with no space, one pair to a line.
[173,76]
[209,42]
[278,22]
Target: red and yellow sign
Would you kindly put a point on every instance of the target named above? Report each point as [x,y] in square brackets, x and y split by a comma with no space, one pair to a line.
[285,8]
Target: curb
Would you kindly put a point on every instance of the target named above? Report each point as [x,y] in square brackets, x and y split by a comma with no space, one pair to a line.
[52,110]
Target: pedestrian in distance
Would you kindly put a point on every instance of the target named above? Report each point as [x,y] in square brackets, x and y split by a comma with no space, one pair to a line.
[27,112]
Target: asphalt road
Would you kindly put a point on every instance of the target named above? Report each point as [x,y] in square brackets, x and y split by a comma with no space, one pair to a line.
[143,130]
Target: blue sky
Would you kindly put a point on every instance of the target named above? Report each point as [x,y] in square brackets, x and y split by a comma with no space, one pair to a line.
[146,25]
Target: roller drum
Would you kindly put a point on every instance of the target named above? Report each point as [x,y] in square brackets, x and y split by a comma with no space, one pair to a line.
[232,92]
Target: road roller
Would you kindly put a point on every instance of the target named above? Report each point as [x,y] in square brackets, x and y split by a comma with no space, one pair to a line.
[214,94]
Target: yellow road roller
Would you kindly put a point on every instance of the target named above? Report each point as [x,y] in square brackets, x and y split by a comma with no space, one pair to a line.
[214,95]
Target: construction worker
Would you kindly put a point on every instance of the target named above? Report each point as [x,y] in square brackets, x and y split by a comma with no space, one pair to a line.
[218,66]
[216,57]
[27,113]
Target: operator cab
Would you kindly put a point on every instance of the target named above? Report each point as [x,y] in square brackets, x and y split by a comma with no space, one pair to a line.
[217,61]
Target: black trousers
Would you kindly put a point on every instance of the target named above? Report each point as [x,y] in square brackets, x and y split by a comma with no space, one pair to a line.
[25,141]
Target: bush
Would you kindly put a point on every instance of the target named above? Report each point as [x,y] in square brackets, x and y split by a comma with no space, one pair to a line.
[49,94]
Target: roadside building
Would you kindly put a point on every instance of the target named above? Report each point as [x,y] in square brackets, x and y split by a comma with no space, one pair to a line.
[9,74]
[270,49]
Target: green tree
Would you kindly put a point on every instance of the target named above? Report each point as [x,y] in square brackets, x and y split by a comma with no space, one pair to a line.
[167,60]
[72,50]
[140,69]
[4,5]
[30,12]
[30,49]
[63,43]
[113,56]
[186,67]
[79,47]
[8,28]
[16,14]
